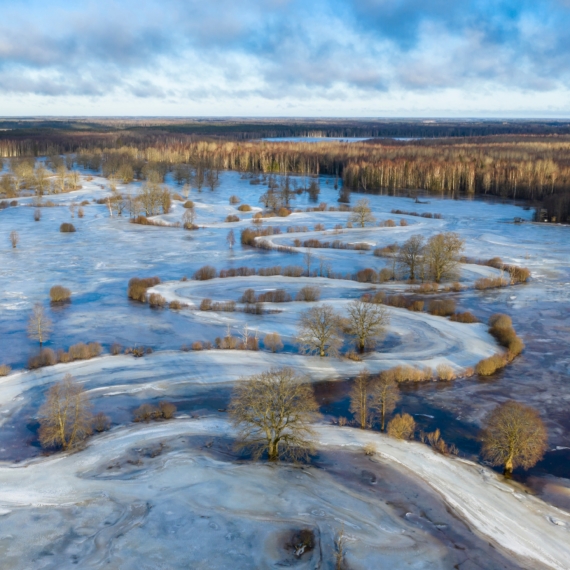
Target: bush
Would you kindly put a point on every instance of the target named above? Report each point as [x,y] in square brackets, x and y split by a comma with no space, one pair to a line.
[490,283]
[206,305]
[354,356]
[389,224]
[4,370]
[441,307]
[145,413]
[293,271]
[95,349]
[402,427]
[426,288]
[115,349]
[157,301]
[234,199]
[275,296]
[272,342]
[409,374]
[37,215]
[403,222]
[138,287]
[515,347]
[59,294]
[188,204]
[175,305]
[79,351]
[46,357]
[66,227]
[244,208]
[417,306]
[232,218]
[500,321]
[444,372]
[167,410]
[205,273]
[367,276]
[197,345]
[309,294]
[465,317]
[490,365]
[101,422]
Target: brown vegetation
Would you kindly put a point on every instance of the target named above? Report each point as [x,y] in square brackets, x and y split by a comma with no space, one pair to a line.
[66,227]
[59,294]
[138,287]
[402,426]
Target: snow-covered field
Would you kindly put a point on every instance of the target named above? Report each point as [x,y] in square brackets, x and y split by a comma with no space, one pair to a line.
[117,505]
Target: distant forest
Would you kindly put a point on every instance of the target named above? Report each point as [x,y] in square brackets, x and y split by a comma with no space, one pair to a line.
[509,159]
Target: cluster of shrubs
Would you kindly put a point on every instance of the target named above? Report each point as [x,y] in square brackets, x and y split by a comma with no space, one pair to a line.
[5,204]
[235,343]
[490,283]
[156,301]
[209,272]
[399,301]
[237,272]
[435,440]
[424,215]
[138,287]
[59,294]
[223,306]
[248,235]
[387,224]
[336,244]
[235,199]
[148,412]
[274,296]
[297,229]
[466,317]
[4,370]
[387,250]
[79,351]
[138,351]
[144,221]
[205,273]
[441,307]
[66,227]
[308,294]
[501,327]
[369,275]
[405,373]
[232,218]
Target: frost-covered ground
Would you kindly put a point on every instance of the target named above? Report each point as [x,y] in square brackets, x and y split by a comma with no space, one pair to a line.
[76,511]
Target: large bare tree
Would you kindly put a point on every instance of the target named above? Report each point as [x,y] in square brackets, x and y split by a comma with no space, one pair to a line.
[410,254]
[361,213]
[441,252]
[385,396]
[366,322]
[514,436]
[360,399]
[39,325]
[274,411]
[319,331]
[65,417]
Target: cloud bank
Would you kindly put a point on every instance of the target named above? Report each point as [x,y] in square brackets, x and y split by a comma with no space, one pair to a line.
[285,57]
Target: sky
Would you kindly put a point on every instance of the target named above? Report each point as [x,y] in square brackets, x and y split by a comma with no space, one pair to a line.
[334,58]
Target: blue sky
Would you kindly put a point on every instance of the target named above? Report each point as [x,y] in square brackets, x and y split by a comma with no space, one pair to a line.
[367,58]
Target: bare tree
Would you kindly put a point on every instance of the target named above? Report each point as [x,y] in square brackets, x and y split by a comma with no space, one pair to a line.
[14,238]
[287,193]
[366,322]
[272,342]
[41,180]
[514,436]
[271,199]
[308,260]
[188,218]
[361,213]
[441,254]
[274,411]
[65,417]
[319,331]
[360,399]
[61,177]
[230,239]
[385,396]
[39,325]
[410,253]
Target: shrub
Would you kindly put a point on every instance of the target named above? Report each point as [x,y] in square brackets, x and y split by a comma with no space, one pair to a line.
[4,370]
[444,372]
[46,357]
[283,212]
[385,274]
[417,306]
[386,251]
[145,413]
[101,422]
[234,199]
[175,305]
[206,305]
[115,349]
[490,283]
[79,351]
[232,218]
[389,224]
[66,227]
[403,222]
[319,227]
[293,271]
[309,294]
[516,346]
[426,288]
[272,342]
[465,317]
[248,296]
[402,427]
[253,309]
[59,294]
[157,301]
[197,345]
[500,321]
[167,410]
[410,374]
[441,307]
[490,365]
[205,273]
[244,208]
[37,215]
[138,287]
[188,204]
[80,213]
[95,349]
[367,275]
[354,356]
[275,296]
